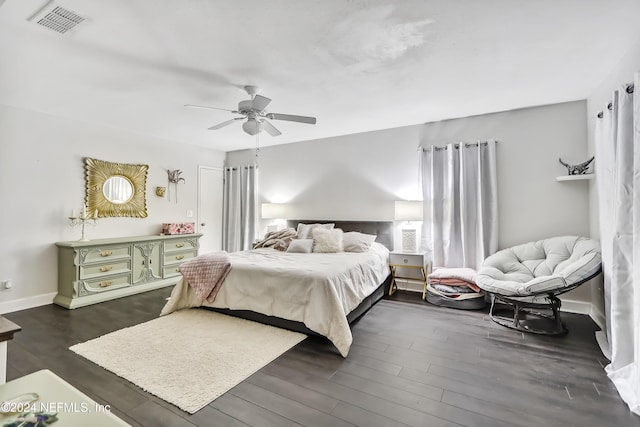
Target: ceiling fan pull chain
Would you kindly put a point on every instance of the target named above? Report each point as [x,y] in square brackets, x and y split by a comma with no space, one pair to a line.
[257,147]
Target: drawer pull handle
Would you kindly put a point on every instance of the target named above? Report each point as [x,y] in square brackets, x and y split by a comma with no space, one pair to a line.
[106,268]
[179,245]
[106,253]
[179,256]
[106,283]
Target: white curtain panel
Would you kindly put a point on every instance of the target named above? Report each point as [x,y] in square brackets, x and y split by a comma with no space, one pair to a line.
[605,150]
[460,196]
[240,201]
[618,180]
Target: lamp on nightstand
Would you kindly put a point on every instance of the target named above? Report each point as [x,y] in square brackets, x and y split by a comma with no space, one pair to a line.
[408,211]
[272,211]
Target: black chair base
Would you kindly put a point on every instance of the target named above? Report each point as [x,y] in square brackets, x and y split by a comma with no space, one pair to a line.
[537,318]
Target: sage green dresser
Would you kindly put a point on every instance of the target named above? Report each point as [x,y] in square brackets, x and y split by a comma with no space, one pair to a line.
[101,270]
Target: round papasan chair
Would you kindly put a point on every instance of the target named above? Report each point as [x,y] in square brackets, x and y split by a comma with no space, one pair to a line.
[524,281]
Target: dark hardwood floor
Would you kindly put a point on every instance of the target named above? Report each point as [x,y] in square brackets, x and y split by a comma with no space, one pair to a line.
[411,364]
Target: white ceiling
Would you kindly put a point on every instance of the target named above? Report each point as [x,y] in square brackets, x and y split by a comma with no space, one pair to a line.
[355,65]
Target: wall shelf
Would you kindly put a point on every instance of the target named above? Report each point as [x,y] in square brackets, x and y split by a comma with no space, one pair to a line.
[576,177]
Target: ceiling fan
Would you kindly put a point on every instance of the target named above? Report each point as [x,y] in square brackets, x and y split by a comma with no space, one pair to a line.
[253,110]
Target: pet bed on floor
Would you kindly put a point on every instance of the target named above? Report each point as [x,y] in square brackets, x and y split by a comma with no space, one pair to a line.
[453,299]
[455,288]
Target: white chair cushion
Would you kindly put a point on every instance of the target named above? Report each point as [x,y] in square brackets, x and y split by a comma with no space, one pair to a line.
[540,266]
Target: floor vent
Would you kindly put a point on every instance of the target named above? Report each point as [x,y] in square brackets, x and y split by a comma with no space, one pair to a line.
[56,18]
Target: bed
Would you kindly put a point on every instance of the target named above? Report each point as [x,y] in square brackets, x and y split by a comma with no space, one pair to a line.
[316,294]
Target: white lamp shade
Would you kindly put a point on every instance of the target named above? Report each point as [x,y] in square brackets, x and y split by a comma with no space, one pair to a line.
[273,211]
[252,127]
[408,210]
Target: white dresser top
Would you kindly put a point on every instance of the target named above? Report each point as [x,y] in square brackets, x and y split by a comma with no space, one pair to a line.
[116,240]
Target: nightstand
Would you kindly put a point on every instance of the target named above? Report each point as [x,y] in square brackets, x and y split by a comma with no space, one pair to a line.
[410,266]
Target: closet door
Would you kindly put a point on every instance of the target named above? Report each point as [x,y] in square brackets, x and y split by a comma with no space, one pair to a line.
[210,208]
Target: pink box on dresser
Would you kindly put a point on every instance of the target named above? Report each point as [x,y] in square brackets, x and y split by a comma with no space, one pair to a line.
[179,228]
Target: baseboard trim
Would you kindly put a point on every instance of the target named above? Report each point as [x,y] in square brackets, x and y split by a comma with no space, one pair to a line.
[583,307]
[598,317]
[578,307]
[26,303]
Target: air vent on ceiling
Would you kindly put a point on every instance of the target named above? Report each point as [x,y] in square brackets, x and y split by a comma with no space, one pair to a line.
[56,18]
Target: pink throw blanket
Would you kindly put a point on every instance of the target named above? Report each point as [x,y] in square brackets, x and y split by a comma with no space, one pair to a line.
[205,274]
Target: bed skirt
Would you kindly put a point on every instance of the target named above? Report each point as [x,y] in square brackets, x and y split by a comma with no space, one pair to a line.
[291,325]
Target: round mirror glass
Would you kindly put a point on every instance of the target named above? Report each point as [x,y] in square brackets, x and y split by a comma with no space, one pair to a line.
[118,189]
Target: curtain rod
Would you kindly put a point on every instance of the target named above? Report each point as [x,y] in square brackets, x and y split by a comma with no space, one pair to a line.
[233,168]
[629,90]
[444,147]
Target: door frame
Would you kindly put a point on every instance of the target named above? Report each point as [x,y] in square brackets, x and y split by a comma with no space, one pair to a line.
[199,204]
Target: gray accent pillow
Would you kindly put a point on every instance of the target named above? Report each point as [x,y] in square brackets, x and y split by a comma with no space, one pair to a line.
[354,241]
[300,246]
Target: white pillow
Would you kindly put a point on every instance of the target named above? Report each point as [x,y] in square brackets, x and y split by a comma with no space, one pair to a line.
[300,246]
[327,240]
[304,230]
[354,241]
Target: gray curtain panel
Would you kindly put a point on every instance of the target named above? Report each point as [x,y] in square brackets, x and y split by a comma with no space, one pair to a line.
[460,196]
[240,201]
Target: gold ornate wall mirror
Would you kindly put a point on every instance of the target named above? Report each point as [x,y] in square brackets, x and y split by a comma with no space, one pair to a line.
[116,189]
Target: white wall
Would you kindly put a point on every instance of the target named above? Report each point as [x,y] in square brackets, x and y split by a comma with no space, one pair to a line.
[359,176]
[621,74]
[42,180]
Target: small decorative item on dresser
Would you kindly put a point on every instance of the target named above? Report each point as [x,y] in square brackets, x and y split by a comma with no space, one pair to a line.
[160,191]
[83,219]
[577,169]
[178,228]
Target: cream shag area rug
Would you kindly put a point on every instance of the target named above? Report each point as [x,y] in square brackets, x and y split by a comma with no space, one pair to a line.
[190,357]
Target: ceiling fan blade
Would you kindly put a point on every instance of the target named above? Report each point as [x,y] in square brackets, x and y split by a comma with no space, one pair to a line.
[259,102]
[210,108]
[292,118]
[223,124]
[271,129]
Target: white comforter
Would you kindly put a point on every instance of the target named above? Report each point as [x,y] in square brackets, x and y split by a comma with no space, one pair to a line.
[317,289]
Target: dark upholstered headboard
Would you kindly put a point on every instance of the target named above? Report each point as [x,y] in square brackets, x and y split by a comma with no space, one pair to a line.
[382,229]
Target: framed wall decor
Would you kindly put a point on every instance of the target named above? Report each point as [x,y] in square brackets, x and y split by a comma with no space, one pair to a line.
[115,189]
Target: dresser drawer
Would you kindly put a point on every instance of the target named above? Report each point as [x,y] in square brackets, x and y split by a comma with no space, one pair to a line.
[170,271]
[178,258]
[99,270]
[177,245]
[104,254]
[90,271]
[416,260]
[108,283]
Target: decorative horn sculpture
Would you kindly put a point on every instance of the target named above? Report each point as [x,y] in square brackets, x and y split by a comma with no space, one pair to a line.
[580,169]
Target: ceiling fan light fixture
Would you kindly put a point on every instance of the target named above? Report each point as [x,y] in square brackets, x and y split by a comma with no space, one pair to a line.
[254,111]
[252,127]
